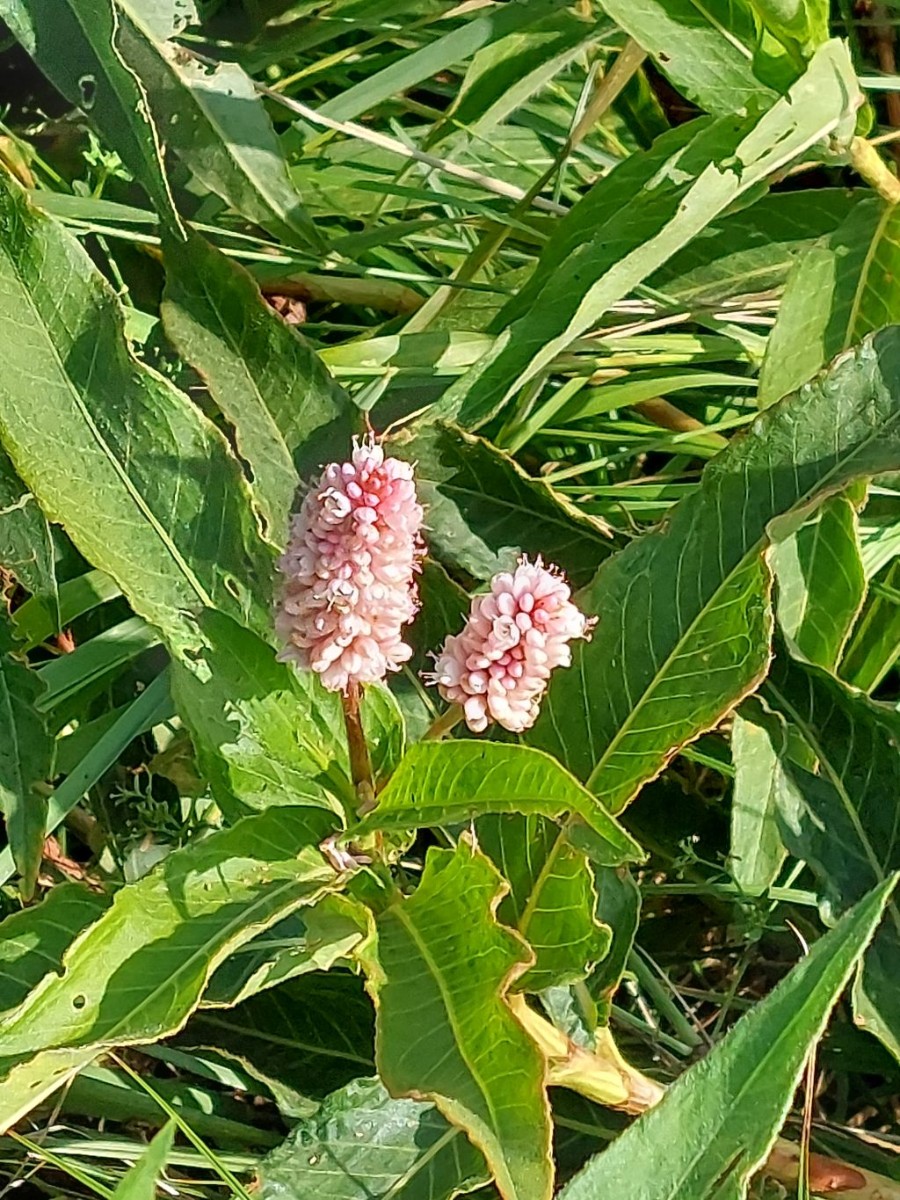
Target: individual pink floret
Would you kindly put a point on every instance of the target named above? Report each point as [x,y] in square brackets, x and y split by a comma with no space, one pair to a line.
[349,570]
[498,667]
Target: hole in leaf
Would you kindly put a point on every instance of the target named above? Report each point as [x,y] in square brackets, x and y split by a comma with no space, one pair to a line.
[79,1001]
[87,89]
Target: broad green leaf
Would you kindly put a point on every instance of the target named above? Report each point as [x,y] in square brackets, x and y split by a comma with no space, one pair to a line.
[710,51]
[753,249]
[821,582]
[139,1181]
[316,940]
[684,614]
[875,642]
[213,119]
[310,1035]
[26,760]
[800,24]
[551,900]
[264,733]
[447,783]
[33,941]
[138,971]
[144,484]
[438,972]
[26,546]
[483,511]
[619,907]
[77,49]
[841,288]
[719,1120]
[758,748]
[364,1145]
[842,820]
[288,414]
[726,159]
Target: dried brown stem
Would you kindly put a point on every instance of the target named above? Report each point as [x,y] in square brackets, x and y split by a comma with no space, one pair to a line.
[360,762]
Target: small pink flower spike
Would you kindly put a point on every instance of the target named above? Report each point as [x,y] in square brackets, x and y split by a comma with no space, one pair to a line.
[498,667]
[349,570]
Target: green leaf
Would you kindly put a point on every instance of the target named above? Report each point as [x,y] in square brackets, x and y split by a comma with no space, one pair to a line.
[137,972]
[28,1084]
[326,933]
[310,1035]
[875,642]
[364,1145]
[288,414]
[710,51]
[79,52]
[842,287]
[144,484]
[821,581]
[758,748]
[551,899]
[734,1101]
[684,614]
[213,119]
[139,1181]
[264,733]
[726,159]
[26,546]
[101,656]
[800,23]
[619,907]
[842,820]
[26,760]
[33,941]
[448,783]
[438,972]
[483,511]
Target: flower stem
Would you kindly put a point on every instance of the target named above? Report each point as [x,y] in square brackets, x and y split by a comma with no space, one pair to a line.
[868,163]
[360,762]
[444,723]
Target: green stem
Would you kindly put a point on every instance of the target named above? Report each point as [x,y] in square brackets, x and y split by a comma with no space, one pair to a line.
[868,163]
[442,725]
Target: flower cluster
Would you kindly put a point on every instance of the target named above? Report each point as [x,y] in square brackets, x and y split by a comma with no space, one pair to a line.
[349,570]
[498,667]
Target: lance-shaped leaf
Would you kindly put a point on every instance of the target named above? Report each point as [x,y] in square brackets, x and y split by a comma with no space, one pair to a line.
[140,1180]
[26,759]
[843,819]
[438,971]
[841,288]
[821,581]
[735,1100]
[144,484]
[552,898]
[727,158]
[685,618]
[216,123]
[136,973]
[77,50]
[483,511]
[26,547]
[33,941]
[711,52]
[288,414]
[447,783]
[29,1083]
[364,1145]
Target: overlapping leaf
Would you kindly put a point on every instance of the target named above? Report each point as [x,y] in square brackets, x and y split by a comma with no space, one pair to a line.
[364,1145]
[842,819]
[446,783]
[439,972]
[758,748]
[734,1101]
[145,486]
[26,546]
[684,616]
[288,414]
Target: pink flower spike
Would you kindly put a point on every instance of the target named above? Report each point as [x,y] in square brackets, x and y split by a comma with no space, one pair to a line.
[498,668]
[349,570]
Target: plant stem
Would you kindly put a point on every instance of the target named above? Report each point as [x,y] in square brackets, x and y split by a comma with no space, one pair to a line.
[868,163]
[443,724]
[360,762]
